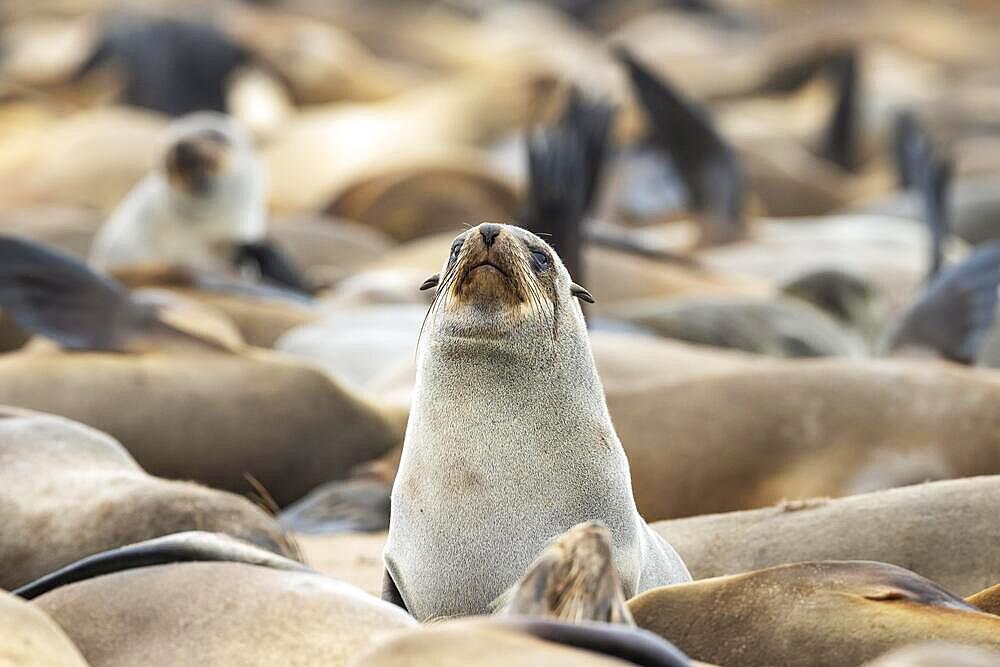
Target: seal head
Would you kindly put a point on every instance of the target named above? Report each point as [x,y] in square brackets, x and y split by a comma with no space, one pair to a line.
[500,282]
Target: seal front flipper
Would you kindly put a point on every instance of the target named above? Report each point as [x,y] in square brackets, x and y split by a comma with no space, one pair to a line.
[565,164]
[272,264]
[53,294]
[706,163]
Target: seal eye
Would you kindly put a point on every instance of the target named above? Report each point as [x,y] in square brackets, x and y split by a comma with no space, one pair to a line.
[539,260]
[456,249]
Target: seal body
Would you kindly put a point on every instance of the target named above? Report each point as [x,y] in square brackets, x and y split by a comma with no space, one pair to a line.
[509,442]
[207,195]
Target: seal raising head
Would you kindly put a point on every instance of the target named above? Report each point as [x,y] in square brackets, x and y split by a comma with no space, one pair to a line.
[500,282]
[509,442]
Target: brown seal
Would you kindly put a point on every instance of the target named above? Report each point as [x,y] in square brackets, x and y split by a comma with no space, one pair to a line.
[846,611]
[220,612]
[190,388]
[924,528]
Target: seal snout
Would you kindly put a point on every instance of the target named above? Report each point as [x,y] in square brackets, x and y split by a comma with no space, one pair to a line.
[489,232]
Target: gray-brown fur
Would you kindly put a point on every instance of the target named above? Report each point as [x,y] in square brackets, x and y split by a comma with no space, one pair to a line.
[942,530]
[211,417]
[832,613]
[68,491]
[509,442]
[219,614]
[755,435]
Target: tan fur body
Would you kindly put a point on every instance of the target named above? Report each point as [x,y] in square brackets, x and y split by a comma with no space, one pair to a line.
[212,416]
[219,614]
[752,437]
[31,639]
[68,491]
[834,613]
[924,528]
[937,654]
[475,641]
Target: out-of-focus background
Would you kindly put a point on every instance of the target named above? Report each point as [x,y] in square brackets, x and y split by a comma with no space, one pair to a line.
[339,95]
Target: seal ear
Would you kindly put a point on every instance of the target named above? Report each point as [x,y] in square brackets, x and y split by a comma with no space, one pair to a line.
[431,282]
[581,293]
[52,294]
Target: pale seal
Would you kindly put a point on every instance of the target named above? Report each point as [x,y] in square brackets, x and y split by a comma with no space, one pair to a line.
[206,196]
[509,441]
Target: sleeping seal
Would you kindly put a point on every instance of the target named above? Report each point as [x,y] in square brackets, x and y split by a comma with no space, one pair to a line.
[68,491]
[199,599]
[509,442]
[845,611]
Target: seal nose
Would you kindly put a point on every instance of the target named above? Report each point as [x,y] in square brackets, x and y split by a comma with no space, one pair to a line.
[489,233]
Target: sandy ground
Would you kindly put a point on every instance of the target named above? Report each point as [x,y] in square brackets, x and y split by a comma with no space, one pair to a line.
[352,557]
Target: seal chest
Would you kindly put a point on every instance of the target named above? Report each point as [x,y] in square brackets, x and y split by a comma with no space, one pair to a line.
[509,442]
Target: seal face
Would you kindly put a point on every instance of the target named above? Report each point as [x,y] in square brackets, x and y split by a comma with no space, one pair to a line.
[509,442]
[497,280]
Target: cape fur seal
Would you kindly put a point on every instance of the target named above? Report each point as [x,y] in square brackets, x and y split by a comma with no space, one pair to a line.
[207,193]
[568,608]
[845,611]
[68,491]
[924,528]
[31,639]
[802,429]
[153,606]
[507,401]
[200,404]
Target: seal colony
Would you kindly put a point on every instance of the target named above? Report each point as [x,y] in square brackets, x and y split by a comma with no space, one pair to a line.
[509,441]
[657,151]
